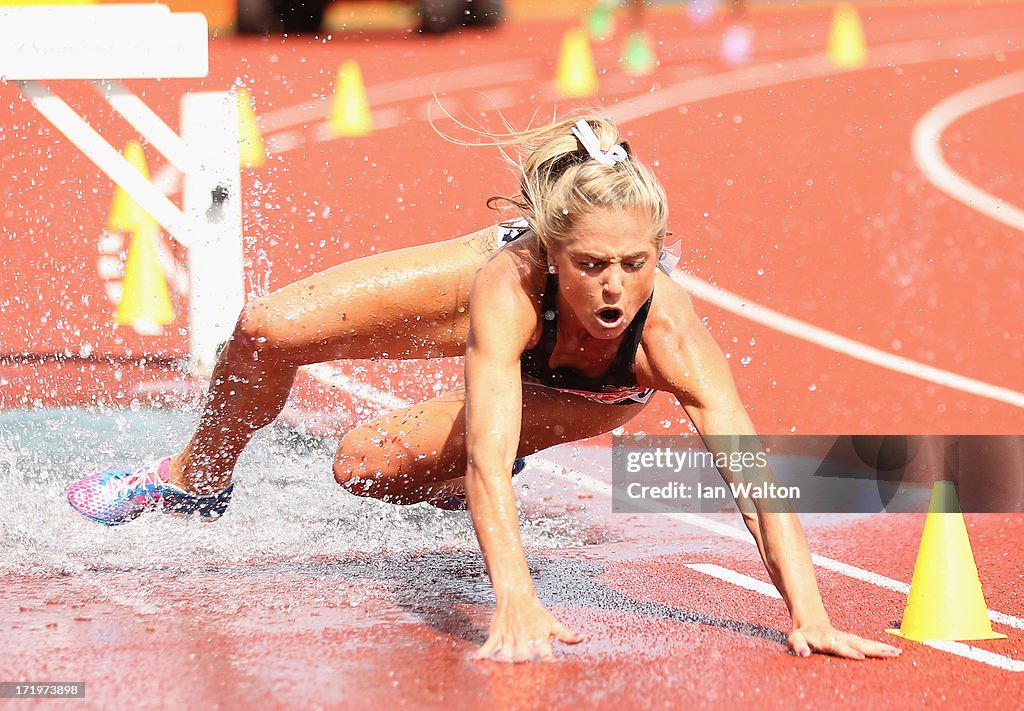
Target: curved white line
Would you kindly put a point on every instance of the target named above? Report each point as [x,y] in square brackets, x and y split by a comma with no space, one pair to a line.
[799,329]
[928,152]
[331,375]
[400,90]
[833,341]
[813,67]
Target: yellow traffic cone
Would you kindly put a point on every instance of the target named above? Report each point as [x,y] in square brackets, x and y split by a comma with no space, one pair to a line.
[576,77]
[946,601]
[145,300]
[350,113]
[126,215]
[846,46]
[251,152]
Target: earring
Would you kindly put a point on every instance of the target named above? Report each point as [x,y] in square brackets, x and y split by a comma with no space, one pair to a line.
[552,269]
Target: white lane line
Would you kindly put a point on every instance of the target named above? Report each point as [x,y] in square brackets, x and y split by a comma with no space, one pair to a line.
[744,79]
[817,66]
[392,92]
[769,73]
[960,649]
[979,655]
[604,490]
[799,329]
[814,66]
[841,344]
[108,266]
[925,141]
[330,375]
[282,142]
[739,579]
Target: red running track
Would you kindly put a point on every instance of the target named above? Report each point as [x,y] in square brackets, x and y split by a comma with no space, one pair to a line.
[792,186]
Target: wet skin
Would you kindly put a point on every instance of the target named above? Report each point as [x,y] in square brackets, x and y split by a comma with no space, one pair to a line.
[464,297]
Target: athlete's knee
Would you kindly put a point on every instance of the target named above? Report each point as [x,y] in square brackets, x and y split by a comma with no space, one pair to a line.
[263,333]
[351,477]
[255,325]
[363,467]
[280,327]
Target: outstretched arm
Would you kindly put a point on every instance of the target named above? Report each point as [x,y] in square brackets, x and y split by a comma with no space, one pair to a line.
[713,405]
[783,547]
[501,324]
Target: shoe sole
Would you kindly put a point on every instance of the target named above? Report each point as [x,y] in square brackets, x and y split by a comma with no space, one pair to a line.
[207,510]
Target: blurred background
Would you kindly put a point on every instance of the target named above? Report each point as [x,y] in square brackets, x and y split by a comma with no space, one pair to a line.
[427,16]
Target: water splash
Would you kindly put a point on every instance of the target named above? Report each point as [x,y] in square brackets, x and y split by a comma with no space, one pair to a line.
[286,509]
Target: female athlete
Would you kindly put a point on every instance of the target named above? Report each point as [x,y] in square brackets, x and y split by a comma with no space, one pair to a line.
[568,324]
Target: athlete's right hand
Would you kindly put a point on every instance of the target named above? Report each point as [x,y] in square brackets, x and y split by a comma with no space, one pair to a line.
[522,630]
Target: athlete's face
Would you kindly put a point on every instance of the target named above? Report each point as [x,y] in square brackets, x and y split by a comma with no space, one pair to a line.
[606,269]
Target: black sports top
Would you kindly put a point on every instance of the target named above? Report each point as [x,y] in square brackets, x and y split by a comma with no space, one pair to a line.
[616,386]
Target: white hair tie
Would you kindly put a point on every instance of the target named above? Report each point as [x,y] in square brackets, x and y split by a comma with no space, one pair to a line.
[585,133]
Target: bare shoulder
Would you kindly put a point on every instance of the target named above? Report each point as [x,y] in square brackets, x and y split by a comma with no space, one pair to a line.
[678,353]
[511,267]
[506,296]
[482,241]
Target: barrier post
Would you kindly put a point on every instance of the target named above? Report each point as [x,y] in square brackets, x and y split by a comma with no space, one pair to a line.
[104,43]
[212,198]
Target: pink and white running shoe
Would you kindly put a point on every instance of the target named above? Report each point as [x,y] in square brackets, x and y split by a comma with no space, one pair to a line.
[118,496]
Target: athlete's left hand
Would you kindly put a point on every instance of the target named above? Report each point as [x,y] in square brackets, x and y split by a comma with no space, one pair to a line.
[826,639]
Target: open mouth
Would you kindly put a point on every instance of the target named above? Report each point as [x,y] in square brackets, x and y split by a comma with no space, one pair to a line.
[610,315]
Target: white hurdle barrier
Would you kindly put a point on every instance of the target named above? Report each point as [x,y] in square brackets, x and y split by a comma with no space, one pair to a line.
[105,43]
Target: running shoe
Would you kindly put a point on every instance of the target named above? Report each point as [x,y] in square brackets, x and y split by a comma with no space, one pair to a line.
[118,496]
[457,502]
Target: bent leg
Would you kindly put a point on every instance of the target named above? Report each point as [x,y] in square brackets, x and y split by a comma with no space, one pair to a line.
[411,303]
[414,454]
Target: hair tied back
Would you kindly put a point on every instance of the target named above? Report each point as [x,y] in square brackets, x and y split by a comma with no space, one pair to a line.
[585,135]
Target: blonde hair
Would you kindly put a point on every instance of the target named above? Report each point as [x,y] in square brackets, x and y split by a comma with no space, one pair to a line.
[559,181]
